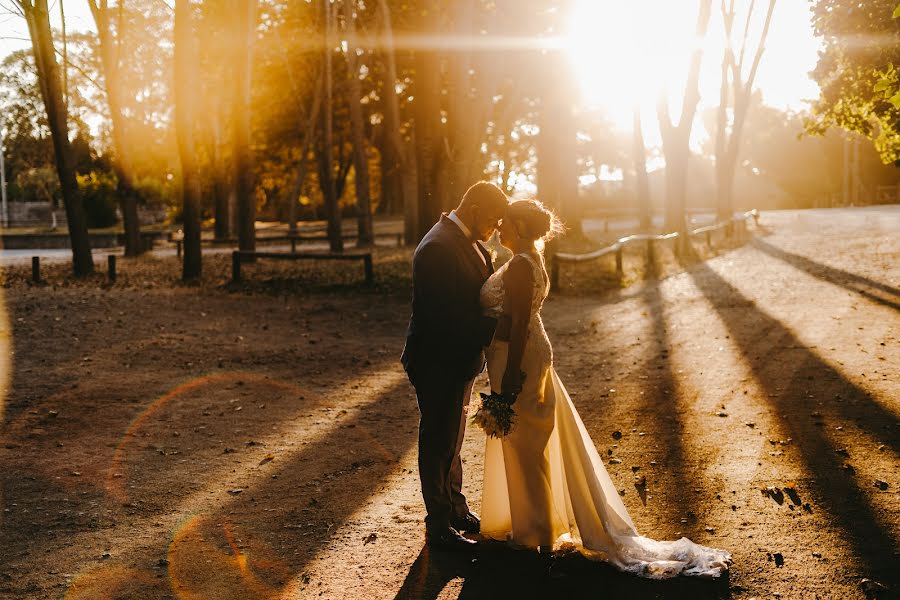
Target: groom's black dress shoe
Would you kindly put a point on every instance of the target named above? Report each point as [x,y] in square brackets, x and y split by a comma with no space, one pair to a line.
[447,538]
[469,523]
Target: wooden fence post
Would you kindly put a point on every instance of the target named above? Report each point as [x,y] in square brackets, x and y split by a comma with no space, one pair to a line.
[235,266]
[370,270]
[36,269]
[111,261]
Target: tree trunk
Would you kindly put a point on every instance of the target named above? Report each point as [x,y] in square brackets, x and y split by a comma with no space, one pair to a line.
[245,31]
[723,204]
[676,139]
[428,122]
[728,144]
[184,124]
[222,183]
[110,51]
[642,185]
[557,161]
[464,120]
[38,19]
[398,159]
[307,140]
[332,210]
[365,236]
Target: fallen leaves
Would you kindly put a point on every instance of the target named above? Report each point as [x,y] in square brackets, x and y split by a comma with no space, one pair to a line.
[774,493]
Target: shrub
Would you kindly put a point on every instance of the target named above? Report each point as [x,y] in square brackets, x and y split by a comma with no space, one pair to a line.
[98,193]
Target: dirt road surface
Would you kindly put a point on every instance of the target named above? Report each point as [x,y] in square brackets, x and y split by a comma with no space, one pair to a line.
[175,442]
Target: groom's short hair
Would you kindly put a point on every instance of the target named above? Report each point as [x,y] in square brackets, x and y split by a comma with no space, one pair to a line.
[484,194]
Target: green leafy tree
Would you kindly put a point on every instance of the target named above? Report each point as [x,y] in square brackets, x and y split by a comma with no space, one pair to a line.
[857,73]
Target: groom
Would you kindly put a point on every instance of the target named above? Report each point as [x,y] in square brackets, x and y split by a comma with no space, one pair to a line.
[443,353]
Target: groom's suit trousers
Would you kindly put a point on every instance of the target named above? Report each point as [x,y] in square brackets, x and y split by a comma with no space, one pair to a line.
[442,426]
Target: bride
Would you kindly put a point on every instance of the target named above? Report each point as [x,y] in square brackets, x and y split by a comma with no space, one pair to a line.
[545,486]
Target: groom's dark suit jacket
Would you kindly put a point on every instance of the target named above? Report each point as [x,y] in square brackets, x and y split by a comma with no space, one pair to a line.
[447,331]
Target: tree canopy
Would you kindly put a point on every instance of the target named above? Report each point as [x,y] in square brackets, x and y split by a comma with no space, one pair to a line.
[857,72]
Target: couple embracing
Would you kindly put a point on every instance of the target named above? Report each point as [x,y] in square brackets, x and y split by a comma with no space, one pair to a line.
[545,486]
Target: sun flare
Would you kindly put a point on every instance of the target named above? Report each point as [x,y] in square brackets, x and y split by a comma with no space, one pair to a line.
[627,53]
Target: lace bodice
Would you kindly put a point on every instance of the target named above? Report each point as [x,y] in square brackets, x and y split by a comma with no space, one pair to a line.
[493,290]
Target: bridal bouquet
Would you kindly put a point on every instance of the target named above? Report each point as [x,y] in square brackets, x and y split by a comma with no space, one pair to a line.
[495,414]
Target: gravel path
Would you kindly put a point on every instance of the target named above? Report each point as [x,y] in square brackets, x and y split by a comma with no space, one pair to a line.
[166,443]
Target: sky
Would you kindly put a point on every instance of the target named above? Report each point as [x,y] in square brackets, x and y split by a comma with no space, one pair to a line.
[646,55]
[791,51]
[14,31]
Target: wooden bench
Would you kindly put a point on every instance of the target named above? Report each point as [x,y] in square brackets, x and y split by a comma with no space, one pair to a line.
[239,256]
[293,239]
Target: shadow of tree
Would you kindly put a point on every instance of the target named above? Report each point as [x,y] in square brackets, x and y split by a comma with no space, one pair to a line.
[806,393]
[851,281]
[668,431]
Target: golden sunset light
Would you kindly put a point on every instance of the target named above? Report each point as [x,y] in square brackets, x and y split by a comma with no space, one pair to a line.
[457,299]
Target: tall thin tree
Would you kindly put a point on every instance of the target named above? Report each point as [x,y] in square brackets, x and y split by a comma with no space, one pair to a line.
[37,17]
[399,155]
[245,30]
[676,138]
[111,40]
[309,122]
[332,210]
[639,157]
[185,57]
[306,141]
[428,122]
[728,135]
[365,236]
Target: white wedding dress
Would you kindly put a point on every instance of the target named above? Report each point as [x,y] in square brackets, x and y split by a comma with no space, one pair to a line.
[544,483]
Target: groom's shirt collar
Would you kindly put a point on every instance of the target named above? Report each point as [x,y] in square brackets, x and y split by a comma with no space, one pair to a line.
[462,226]
[459,223]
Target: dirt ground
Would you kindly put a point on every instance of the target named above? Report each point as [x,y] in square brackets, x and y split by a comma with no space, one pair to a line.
[259,441]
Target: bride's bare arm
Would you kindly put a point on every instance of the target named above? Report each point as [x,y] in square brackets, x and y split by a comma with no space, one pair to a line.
[519,287]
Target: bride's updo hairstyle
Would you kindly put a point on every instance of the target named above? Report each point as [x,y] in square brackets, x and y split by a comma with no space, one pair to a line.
[533,221]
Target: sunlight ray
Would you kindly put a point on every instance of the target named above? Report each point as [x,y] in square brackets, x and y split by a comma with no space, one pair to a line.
[285,439]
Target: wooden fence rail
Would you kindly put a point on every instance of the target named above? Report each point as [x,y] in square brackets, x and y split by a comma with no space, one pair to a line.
[618,246]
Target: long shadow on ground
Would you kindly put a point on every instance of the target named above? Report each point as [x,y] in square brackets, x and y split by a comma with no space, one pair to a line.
[325,492]
[811,392]
[253,545]
[669,431]
[851,281]
[496,571]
